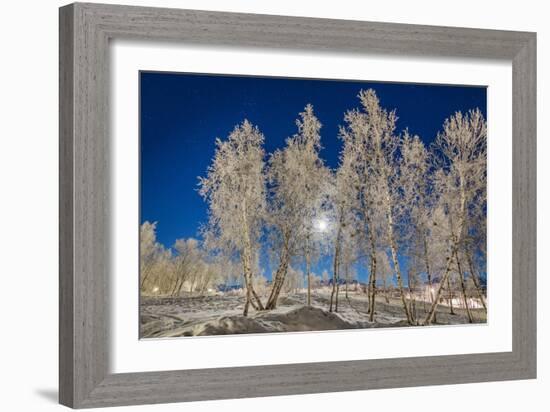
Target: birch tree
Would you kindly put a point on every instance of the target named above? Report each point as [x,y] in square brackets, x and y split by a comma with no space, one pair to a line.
[474,253]
[152,256]
[294,280]
[474,256]
[415,200]
[325,277]
[370,137]
[235,190]
[385,272]
[462,146]
[185,263]
[297,176]
[343,231]
[349,246]
[355,172]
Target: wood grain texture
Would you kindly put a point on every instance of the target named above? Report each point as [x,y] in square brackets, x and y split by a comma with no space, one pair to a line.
[524,204]
[66,229]
[85,31]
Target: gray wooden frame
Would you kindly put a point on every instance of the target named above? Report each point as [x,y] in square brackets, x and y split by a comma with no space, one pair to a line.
[85,31]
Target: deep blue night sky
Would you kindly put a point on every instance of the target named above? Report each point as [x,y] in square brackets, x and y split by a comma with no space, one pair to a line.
[182,114]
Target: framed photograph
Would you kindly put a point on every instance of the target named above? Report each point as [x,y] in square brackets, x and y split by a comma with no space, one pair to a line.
[257,205]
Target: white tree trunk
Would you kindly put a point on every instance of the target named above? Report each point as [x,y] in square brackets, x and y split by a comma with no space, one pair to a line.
[247,267]
[396,265]
[428,269]
[335,265]
[308,272]
[476,281]
[463,287]
[455,240]
[280,275]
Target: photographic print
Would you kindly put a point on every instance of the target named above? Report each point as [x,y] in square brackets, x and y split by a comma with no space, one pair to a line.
[273,205]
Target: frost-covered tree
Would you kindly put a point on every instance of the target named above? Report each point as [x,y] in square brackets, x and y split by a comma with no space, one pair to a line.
[235,190]
[169,272]
[154,259]
[473,253]
[385,272]
[260,284]
[355,182]
[297,279]
[185,263]
[350,275]
[294,280]
[325,277]
[315,281]
[343,233]
[297,176]
[344,259]
[205,276]
[462,146]
[229,273]
[415,197]
[370,140]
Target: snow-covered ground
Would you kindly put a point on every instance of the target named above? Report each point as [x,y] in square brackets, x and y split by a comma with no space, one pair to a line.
[221,314]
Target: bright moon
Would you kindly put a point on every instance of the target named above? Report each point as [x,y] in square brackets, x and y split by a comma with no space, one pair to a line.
[322,225]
